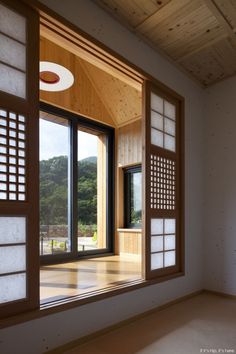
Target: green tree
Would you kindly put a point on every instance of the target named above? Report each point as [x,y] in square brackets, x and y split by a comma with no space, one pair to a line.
[54,191]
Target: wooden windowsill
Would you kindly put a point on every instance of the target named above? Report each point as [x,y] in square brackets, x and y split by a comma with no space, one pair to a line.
[129,230]
[75,301]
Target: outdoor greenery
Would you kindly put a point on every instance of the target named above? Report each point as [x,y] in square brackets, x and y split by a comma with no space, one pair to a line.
[54,192]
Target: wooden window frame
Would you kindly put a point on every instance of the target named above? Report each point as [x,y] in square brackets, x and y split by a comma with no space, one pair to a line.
[128,70]
[128,171]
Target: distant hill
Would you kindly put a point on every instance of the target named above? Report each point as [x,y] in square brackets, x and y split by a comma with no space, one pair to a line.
[90,159]
[54,190]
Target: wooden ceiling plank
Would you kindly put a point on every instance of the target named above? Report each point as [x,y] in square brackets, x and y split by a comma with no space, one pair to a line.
[200,48]
[191,25]
[187,34]
[163,14]
[217,12]
[214,63]
[199,36]
[132,11]
[228,9]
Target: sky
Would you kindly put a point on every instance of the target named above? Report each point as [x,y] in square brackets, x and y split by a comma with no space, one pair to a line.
[54,141]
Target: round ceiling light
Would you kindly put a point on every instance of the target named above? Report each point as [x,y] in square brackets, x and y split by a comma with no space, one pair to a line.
[54,77]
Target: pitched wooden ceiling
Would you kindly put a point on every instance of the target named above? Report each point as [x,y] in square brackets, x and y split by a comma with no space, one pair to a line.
[198,35]
[96,93]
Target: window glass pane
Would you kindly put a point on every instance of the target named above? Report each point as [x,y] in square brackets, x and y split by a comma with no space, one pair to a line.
[12,229]
[135,198]
[12,24]
[13,287]
[12,81]
[12,52]
[12,259]
[54,193]
[156,137]
[156,103]
[92,151]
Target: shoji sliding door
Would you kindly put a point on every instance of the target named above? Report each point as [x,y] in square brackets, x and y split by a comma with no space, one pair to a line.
[163,182]
[19,251]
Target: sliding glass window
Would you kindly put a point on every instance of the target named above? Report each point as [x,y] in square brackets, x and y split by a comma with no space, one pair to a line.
[92,161]
[54,179]
[76,193]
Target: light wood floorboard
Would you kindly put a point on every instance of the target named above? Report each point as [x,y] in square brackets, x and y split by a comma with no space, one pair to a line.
[203,324]
[61,281]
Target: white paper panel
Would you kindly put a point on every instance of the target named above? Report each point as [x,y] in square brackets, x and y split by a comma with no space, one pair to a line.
[169,126]
[156,243]
[169,226]
[169,110]
[12,24]
[12,287]
[169,258]
[156,226]
[12,81]
[156,137]
[13,259]
[169,242]
[156,103]
[169,143]
[156,120]
[12,229]
[3,195]
[156,261]
[12,52]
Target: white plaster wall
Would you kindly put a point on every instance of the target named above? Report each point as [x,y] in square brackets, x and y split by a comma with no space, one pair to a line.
[48,332]
[220,188]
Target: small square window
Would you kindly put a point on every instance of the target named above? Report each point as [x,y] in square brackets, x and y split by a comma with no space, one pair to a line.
[133,197]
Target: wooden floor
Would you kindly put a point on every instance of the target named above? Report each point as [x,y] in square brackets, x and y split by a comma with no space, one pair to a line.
[203,324]
[61,281]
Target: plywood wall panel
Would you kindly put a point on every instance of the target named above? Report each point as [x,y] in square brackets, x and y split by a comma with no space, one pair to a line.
[129,151]
[130,243]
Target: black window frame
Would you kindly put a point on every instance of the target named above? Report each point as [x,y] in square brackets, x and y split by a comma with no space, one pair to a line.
[128,172]
[76,120]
